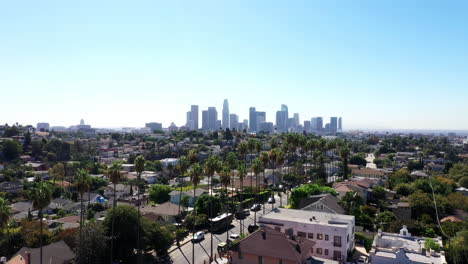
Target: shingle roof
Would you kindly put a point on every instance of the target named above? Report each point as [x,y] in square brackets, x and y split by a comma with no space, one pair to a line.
[55,253]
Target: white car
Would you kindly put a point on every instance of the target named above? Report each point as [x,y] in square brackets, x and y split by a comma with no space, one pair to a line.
[234,236]
[199,236]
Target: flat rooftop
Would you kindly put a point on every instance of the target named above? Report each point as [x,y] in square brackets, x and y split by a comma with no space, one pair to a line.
[307,217]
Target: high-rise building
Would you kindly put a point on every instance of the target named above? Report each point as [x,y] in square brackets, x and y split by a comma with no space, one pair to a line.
[319,123]
[340,124]
[282,119]
[307,126]
[194,116]
[266,127]
[316,124]
[233,121]
[333,124]
[154,126]
[252,119]
[205,120]
[225,114]
[212,118]
[42,126]
[296,120]
[82,123]
[218,125]
[260,118]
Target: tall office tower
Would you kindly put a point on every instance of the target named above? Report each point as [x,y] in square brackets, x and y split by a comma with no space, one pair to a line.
[340,124]
[327,128]
[233,122]
[266,127]
[307,126]
[205,119]
[225,114]
[218,125]
[333,124]
[252,119]
[188,118]
[194,116]
[42,126]
[284,108]
[82,123]
[313,124]
[260,118]
[296,120]
[212,118]
[154,126]
[319,124]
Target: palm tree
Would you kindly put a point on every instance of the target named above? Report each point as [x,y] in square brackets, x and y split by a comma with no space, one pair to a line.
[182,166]
[41,196]
[211,166]
[257,168]
[279,162]
[5,214]
[58,173]
[242,148]
[193,156]
[344,154]
[139,168]
[265,159]
[114,175]
[195,173]
[82,183]
[272,155]
[225,178]
[242,172]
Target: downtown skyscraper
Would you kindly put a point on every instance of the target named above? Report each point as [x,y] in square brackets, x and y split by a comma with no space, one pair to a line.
[225,114]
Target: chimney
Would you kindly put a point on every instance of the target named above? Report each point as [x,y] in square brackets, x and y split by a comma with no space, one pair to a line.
[263,235]
[27,257]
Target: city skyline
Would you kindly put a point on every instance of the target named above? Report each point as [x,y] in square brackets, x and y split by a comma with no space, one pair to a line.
[117,64]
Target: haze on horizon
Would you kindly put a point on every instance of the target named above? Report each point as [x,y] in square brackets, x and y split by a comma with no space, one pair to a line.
[379,65]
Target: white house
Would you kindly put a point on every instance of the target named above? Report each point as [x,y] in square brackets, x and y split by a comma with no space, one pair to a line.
[167,161]
[333,234]
[403,248]
[176,196]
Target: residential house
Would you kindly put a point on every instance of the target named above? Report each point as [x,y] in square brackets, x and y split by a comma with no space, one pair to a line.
[348,186]
[56,253]
[402,210]
[175,196]
[333,234]
[269,246]
[36,166]
[121,190]
[167,212]
[368,172]
[327,203]
[390,248]
[11,187]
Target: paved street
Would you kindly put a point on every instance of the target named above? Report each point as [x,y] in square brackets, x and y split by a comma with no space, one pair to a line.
[202,249]
[370,161]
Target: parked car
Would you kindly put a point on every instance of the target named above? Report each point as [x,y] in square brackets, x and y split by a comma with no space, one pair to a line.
[362,260]
[256,207]
[271,200]
[199,236]
[246,212]
[234,237]
[222,247]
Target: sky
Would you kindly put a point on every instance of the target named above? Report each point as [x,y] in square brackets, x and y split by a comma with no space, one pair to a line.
[377,64]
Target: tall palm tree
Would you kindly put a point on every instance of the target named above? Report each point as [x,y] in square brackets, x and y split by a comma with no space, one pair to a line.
[344,154]
[272,155]
[58,173]
[114,175]
[193,156]
[5,213]
[195,173]
[139,168]
[225,178]
[41,196]
[82,183]
[279,162]
[212,165]
[182,166]
[265,159]
[257,168]
[242,172]
[243,148]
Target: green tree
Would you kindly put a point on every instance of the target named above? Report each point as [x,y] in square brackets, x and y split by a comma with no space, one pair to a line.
[159,193]
[114,175]
[358,159]
[350,201]
[158,238]
[5,213]
[58,173]
[344,154]
[195,173]
[11,149]
[257,168]
[41,197]
[384,219]
[94,244]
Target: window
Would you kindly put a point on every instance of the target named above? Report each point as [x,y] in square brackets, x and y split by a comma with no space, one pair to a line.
[319,236]
[347,238]
[337,241]
[310,235]
[326,237]
[260,260]
[319,251]
[326,252]
[301,234]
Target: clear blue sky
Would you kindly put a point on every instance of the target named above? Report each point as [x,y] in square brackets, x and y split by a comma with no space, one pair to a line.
[378,64]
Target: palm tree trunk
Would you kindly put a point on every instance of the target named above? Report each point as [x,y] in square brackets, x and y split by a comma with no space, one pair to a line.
[81,228]
[242,208]
[211,216]
[193,229]
[112,231]
[178,216]
[139,224]
[42,232]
